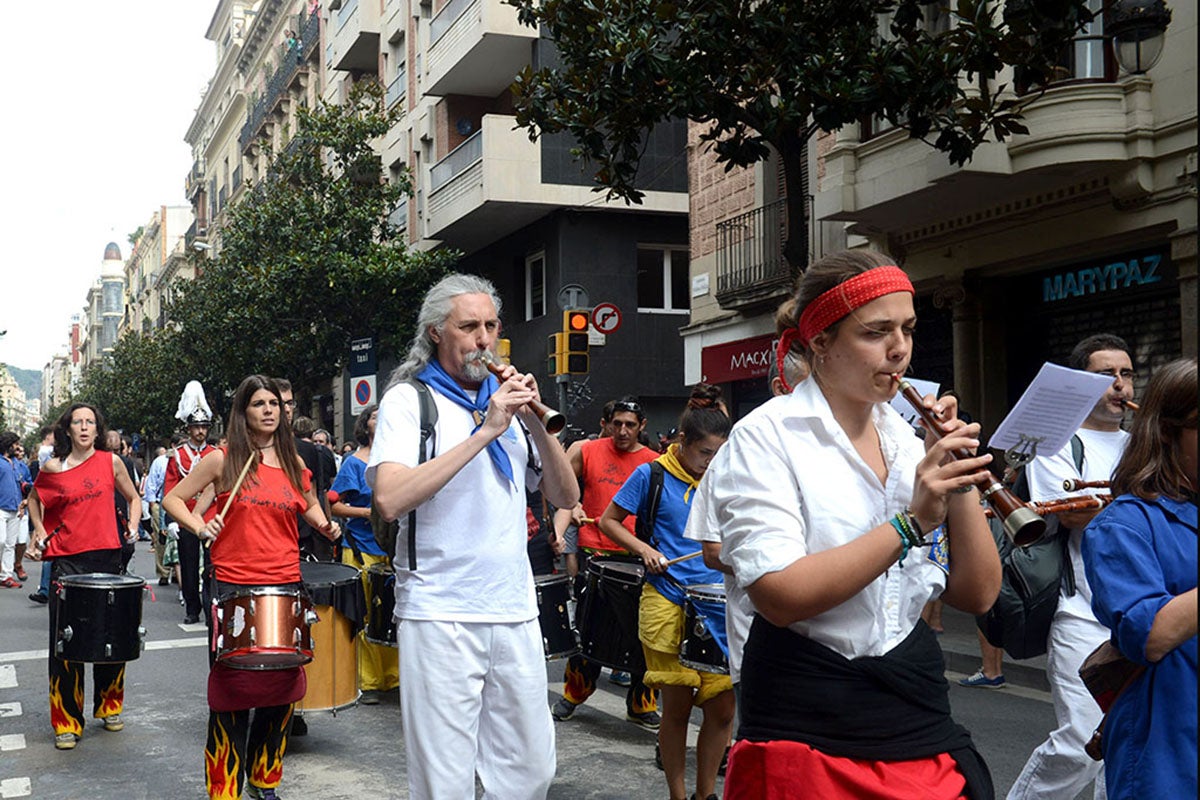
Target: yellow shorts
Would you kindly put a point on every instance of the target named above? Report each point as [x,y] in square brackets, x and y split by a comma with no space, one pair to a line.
[660,628]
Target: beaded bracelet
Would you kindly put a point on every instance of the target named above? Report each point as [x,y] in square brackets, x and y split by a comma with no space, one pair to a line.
[899,526]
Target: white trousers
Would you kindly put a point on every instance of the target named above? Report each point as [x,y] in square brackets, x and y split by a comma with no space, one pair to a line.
[10,535]
[474,700]
[1059,767]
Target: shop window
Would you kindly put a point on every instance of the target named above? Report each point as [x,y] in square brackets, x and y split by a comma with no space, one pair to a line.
[535,286]
[662,279]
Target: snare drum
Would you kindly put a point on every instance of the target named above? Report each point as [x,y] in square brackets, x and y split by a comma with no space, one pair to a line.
[338,600]
[703,605]
[381,605]
[264,627]
[98,618]
[608,614]
[558,637]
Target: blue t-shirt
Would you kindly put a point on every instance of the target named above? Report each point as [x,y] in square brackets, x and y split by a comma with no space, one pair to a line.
[13,473]
[668,538]
[351,486]
[1138,555]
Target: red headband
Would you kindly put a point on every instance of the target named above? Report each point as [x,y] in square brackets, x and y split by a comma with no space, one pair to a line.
[832,305]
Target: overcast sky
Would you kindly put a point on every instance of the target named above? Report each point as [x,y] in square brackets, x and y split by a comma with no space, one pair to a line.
[100,96]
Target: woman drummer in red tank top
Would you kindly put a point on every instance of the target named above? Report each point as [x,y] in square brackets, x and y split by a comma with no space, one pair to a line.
[254,543]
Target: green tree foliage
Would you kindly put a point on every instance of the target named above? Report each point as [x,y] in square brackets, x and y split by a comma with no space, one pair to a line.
[759,73]
[137,388]
[308,260]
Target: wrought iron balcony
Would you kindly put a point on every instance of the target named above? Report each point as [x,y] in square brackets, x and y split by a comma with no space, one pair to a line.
[751,269]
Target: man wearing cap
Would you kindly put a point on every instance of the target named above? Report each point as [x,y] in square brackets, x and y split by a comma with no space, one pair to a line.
[181,461]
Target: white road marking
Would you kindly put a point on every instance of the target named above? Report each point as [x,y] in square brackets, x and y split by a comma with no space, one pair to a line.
[10,709]
[34,655]
[12,741]
[15,787]
[8,674]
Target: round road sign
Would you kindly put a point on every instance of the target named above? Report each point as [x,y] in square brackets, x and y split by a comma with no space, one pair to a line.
[606,317]
[362,392]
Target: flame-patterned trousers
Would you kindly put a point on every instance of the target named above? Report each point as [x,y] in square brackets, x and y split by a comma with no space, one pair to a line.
[248,743]
[67,677]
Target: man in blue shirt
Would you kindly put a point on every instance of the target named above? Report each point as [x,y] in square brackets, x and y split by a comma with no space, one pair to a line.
[14,479]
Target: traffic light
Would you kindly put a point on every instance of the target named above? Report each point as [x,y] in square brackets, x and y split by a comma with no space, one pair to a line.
[574,358]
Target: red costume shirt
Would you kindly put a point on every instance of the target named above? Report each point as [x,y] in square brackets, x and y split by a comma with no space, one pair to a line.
[259,544]
[77,507]
[605,469]
[181,461]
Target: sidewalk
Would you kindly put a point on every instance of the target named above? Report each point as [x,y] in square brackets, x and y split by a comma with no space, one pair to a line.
[961,649]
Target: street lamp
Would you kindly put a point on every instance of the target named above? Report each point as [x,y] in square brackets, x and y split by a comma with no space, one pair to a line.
[1138,29]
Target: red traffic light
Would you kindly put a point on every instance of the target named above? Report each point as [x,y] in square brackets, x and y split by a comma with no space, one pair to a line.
[576,321]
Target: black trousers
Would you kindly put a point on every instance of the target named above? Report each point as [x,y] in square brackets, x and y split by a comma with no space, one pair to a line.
[192,558]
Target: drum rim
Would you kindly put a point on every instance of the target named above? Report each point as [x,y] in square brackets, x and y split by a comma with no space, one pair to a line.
[259,591]
[713,592]
[551,580]
[105,580]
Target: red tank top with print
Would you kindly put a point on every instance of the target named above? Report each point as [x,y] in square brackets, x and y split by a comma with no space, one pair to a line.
[260,541]
[77,507]
[605,470]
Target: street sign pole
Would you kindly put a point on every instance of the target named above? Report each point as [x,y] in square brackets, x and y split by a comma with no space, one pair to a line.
[564,386]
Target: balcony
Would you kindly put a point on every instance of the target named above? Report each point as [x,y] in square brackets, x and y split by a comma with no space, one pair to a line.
[751,270]
[254,122]
[354,44]
[194,181]
[476,48]
[399,215]
[1080,133]
[491,185]
[397,89]
[196,233]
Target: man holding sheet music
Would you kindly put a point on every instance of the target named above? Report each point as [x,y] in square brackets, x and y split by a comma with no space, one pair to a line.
[1060,767]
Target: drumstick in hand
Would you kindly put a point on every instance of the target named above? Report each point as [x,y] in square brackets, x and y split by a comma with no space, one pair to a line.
[233,493]
[688,557]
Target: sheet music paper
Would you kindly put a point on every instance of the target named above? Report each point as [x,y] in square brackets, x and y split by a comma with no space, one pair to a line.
[1051,409]
[905,408]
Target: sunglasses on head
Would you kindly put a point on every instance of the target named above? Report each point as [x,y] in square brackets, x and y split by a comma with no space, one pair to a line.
[627,405]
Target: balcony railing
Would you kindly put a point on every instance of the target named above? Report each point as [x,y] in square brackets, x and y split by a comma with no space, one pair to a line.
[195,232]
[397,89]
[457,160]
[751,268]
[399,215]
[446,18]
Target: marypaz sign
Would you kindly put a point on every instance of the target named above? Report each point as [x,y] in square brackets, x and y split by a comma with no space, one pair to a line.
[736,361]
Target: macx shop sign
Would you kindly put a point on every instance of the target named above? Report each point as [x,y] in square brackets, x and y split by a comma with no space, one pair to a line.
[740,360]
[1119,275]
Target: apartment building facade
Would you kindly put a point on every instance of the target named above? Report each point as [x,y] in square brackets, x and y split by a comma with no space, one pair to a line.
[1086,224]
[523,213]
[158,259]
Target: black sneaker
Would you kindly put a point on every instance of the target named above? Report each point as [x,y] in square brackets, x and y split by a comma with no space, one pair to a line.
[38,597]
[258,793]
[563,709]
[299,727]
[650,720]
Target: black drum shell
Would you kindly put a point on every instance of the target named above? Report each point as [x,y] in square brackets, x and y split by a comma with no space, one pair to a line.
[380,625]
[607,618]
[698,649]
[104,614]
[558,637]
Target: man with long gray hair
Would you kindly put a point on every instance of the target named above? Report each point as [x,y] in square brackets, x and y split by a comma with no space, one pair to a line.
[473,677]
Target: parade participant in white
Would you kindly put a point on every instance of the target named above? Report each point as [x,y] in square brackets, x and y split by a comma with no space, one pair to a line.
[473,678]
[1059,767]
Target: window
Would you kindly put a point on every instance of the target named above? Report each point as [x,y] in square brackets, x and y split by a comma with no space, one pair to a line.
[535,286]
[662,279]
[935,22]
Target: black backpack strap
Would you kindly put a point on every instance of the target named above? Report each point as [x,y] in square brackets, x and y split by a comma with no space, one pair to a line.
[648,514]
[429,416]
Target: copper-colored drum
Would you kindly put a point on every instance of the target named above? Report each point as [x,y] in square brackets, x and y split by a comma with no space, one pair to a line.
[264,627]
[333,674]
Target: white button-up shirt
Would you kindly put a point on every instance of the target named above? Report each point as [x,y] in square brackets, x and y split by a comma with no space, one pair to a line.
[789,483]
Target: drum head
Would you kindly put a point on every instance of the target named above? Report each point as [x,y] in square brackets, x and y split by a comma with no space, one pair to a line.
[318,574]
[102,580]
[621,571]
[714,592]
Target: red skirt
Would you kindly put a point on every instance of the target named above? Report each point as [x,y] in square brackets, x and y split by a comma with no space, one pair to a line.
[783,770]
[238,689]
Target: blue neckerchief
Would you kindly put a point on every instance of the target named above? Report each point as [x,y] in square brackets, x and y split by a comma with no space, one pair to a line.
[437,377]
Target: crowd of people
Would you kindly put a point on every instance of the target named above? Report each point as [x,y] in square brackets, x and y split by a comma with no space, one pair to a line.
[777,574]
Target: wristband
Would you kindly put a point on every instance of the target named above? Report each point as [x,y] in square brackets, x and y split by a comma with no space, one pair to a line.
[898,524]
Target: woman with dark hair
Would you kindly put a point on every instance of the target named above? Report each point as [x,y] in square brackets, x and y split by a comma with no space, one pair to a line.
[73,497]
[839,523]
[255,544]
[378,665]
[703,428]
[1140,559]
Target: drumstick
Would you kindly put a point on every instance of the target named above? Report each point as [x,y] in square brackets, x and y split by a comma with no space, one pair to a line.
[236,485]
[688,557]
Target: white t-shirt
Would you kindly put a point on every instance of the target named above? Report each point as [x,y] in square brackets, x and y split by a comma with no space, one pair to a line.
[789,483]
[1101,452]
[472,563]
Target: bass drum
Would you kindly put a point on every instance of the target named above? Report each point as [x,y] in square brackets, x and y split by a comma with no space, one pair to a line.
[98,618]
[337,599]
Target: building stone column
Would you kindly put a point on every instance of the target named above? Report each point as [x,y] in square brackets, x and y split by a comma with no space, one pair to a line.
[1183,254]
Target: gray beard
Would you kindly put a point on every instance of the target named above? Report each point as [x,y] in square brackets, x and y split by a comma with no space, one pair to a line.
[474,368]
